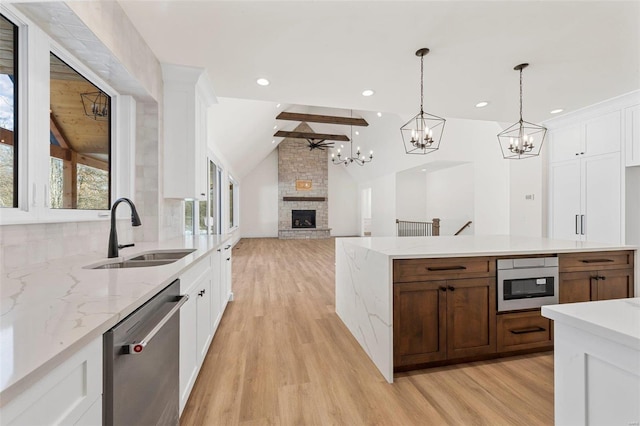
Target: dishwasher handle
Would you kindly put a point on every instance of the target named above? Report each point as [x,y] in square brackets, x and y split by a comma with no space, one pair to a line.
[136,348]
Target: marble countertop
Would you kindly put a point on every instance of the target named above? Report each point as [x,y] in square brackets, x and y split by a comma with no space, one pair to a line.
[473,245]
[50,310]
[617,320]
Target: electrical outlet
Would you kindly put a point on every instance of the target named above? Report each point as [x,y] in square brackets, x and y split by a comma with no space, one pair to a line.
[529,197]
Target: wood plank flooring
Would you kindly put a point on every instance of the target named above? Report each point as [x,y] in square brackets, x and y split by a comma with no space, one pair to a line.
[281,356]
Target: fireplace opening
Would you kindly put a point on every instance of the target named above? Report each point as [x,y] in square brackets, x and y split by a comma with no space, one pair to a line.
[303,218]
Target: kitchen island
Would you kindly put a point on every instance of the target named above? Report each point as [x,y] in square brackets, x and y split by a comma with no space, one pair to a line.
[365,283]
[597,362]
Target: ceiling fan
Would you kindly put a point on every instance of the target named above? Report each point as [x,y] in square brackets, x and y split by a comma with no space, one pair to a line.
[319,144]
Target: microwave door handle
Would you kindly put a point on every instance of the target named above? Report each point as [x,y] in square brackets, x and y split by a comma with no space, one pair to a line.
[582,224]
[576,222]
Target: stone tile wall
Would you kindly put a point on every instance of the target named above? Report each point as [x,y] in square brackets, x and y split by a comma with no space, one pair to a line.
[297,162]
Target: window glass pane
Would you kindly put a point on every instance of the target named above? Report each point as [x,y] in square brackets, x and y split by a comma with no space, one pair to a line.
[80,138]
[213,198]
[230,204]
[202,217]
[8,113]
[188,217]
[55,183]
[93,188]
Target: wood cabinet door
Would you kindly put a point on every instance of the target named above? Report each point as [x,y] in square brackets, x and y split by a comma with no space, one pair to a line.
[576,286]
[614,284]
[419,322]
[471,317]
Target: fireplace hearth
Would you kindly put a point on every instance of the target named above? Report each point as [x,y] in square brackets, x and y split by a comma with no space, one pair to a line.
[303,218]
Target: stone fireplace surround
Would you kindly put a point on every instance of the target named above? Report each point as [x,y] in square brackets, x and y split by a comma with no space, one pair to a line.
[297,162]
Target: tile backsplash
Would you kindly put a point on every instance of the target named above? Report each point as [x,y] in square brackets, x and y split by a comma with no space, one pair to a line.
[24,245]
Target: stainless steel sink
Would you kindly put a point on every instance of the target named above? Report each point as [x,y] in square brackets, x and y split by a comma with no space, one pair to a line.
[164,255]
[132,264]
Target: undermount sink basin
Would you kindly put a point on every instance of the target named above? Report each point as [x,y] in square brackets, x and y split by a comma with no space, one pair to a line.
[132,264]
[164,255]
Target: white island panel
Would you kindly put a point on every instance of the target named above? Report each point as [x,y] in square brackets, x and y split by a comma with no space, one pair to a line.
[596,362]
[364,301]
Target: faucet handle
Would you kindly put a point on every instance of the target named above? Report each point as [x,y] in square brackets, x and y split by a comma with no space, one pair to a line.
[121,246]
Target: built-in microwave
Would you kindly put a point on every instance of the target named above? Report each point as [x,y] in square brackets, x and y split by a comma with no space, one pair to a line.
[527,283]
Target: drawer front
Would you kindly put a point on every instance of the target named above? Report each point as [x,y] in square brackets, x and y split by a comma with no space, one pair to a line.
[411,270]
[600,260]
[523,330]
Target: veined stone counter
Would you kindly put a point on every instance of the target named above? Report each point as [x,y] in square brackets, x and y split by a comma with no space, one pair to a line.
[50,310]
[364,277]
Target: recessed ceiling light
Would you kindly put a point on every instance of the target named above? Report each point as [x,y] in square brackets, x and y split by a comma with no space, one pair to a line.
[278,106]
[367,92]
[482,104]
[379,114]
[423,170]
[275,127]
[357,133]
[273,141]
[557,111]
[262,82]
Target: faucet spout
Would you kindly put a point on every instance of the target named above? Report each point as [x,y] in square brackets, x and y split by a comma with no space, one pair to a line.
[113,234]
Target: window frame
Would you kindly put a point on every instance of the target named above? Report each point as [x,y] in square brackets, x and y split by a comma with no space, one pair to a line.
[233,215]
[16,108]
[34,47]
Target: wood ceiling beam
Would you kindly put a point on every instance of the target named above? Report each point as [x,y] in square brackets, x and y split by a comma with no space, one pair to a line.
[315,118]
[311,135]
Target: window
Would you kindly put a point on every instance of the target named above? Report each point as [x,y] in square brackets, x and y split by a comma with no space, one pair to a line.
[8,113]
[80,141]
[233,203]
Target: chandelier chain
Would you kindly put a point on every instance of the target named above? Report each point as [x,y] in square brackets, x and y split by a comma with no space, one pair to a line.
[421,83]
[520,94]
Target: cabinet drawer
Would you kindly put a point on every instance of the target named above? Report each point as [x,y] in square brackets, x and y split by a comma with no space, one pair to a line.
[523,330]
[410,270]
[600,260]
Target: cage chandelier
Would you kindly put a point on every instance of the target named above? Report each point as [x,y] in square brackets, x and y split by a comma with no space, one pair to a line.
[422,134]
[358,158]
[522,139]
[96,105]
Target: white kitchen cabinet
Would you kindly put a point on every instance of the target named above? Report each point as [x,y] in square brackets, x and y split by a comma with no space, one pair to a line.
[565,143]
[586,199]
[195,324]
[70,394]
[187,96]
[216,290]
[632,135]
[595,136]
[227,261]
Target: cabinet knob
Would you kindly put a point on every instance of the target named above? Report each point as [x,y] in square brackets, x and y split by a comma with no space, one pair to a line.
[451,288]
[228,258]
[201,292]
[443,288]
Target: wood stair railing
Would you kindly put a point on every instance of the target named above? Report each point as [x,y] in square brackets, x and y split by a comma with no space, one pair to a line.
[465,226]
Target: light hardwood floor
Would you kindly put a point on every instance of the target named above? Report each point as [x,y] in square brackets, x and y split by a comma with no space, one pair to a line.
[282,356]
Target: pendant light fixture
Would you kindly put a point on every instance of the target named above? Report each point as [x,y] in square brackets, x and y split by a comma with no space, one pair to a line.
[422,134]
[521,139]
[359,159]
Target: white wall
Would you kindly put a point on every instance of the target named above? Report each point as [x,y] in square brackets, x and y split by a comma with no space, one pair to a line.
[343,203]
[259,200]
[525,180]
[450,197]
[411,196]
[383,206]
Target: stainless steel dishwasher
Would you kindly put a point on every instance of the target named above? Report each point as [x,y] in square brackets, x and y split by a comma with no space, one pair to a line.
[141,363]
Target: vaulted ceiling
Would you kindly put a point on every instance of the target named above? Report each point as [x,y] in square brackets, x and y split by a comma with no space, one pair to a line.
[325,53]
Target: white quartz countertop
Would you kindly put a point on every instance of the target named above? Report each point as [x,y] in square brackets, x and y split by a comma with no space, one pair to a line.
[617,320]
[471,245]
[50,310]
